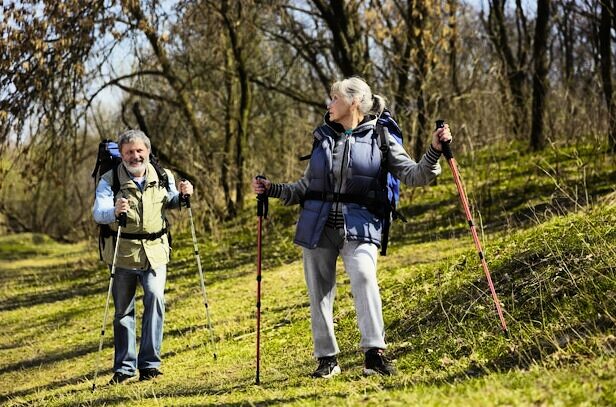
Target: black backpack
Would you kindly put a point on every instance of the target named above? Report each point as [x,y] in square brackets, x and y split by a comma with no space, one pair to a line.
[109,159]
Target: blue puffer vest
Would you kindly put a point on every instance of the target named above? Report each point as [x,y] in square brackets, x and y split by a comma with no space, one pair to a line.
[363,164]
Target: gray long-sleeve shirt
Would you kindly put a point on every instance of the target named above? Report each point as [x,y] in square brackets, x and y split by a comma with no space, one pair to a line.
[400,164]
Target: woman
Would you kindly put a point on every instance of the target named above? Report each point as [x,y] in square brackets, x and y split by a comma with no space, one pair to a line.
[345,164]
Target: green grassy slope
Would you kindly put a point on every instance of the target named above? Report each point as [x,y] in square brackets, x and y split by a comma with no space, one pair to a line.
[550,225]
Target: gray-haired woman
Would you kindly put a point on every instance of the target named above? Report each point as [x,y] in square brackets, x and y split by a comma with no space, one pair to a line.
[346,162]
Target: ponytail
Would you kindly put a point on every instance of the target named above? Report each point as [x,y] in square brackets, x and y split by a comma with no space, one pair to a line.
[378,104]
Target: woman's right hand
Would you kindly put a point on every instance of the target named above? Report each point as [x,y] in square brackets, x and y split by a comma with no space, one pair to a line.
[260,185]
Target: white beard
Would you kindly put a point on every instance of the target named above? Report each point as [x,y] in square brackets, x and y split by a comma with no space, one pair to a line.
[136,171]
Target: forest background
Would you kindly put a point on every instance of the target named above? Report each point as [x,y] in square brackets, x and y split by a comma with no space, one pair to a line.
[229,89]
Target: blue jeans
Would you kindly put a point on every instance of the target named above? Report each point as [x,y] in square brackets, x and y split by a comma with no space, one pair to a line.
[124,336]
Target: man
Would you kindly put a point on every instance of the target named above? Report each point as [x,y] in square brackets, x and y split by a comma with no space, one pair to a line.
[143,252]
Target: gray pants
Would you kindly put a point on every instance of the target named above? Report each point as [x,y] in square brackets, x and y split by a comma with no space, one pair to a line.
[320,272]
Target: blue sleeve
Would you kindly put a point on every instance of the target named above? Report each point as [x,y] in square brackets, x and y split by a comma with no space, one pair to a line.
[173,196]
[103,209]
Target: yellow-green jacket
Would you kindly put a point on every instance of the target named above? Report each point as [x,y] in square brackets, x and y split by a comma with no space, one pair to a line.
[145,216]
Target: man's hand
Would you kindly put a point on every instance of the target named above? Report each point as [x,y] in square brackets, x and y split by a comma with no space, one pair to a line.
[186,188]
[121,206]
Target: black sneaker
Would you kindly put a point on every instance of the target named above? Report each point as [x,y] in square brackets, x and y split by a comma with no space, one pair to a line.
[119,377]
[328,368]
[149,373]
[376,363]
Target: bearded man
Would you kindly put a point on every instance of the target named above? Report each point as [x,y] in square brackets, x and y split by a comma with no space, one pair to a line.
[143,194]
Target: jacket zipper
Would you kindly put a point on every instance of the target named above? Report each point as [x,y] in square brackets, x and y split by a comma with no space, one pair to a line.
[345,160]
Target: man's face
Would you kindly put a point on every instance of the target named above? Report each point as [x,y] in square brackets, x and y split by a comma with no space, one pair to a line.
[135,157]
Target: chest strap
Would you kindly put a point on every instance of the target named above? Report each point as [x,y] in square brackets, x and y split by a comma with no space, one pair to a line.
[143,236]
[107,232]
[366,199]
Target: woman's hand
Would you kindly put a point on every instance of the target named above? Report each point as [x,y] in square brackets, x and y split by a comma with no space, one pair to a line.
[441,135]
[260,185]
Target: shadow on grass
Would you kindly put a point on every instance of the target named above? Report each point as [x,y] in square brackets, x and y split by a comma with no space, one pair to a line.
[50,296]
[51,357]
[52,386]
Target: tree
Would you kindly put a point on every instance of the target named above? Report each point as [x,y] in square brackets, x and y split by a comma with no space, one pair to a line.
[605,52]
[233,18]
[514,64]
[537,136]
[409,33]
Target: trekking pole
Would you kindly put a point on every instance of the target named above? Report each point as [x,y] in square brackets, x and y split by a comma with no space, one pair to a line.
[186,200]
[463,199]
[121,224]
[262,207]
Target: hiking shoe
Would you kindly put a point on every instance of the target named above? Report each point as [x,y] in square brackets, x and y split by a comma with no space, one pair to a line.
[149,373]
[119,377]
[328,368]
[376,363]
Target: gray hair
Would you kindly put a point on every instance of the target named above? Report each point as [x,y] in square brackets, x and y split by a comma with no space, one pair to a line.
[356,89]
[130,136]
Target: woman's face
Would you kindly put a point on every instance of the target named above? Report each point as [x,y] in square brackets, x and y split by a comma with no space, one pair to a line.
[338,108]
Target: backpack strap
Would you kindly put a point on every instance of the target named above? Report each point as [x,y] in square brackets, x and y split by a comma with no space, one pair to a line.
[315,143]
[163,178]
[384,147]
[115,183]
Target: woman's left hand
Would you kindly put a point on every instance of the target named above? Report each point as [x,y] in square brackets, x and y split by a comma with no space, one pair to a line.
[441,135]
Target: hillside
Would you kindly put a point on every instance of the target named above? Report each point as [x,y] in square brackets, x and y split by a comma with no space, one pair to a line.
[548,227]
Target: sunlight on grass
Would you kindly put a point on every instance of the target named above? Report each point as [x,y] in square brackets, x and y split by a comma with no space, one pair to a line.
[552,263]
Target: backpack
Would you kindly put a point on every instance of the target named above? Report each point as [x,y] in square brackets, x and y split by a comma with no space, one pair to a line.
[109,159]
[387,181]
[384,205]
[386,121]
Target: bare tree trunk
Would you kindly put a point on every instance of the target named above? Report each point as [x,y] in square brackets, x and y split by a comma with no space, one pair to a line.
[537,136]
[226,158]
[419,15]
[453,46]
[349,48]
[514,65]
[167,69]
[245,102]
[605,45]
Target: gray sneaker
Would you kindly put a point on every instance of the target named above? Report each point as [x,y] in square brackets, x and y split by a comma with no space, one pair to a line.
[328,368]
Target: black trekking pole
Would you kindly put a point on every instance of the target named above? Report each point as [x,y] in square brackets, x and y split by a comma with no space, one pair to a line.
[186,200]
[463,199]
[262,207]
[121,224]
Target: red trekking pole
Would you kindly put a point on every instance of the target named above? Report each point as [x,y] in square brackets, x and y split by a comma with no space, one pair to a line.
[262,207]
[456,177]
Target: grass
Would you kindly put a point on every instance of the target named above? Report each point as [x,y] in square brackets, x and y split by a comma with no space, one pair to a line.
[548,231]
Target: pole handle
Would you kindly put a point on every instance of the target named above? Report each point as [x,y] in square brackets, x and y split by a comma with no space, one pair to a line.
[184,199]
[122,219]
[440,123]
[262,204]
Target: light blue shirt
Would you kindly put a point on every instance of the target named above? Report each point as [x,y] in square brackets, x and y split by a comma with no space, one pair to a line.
[104,207]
